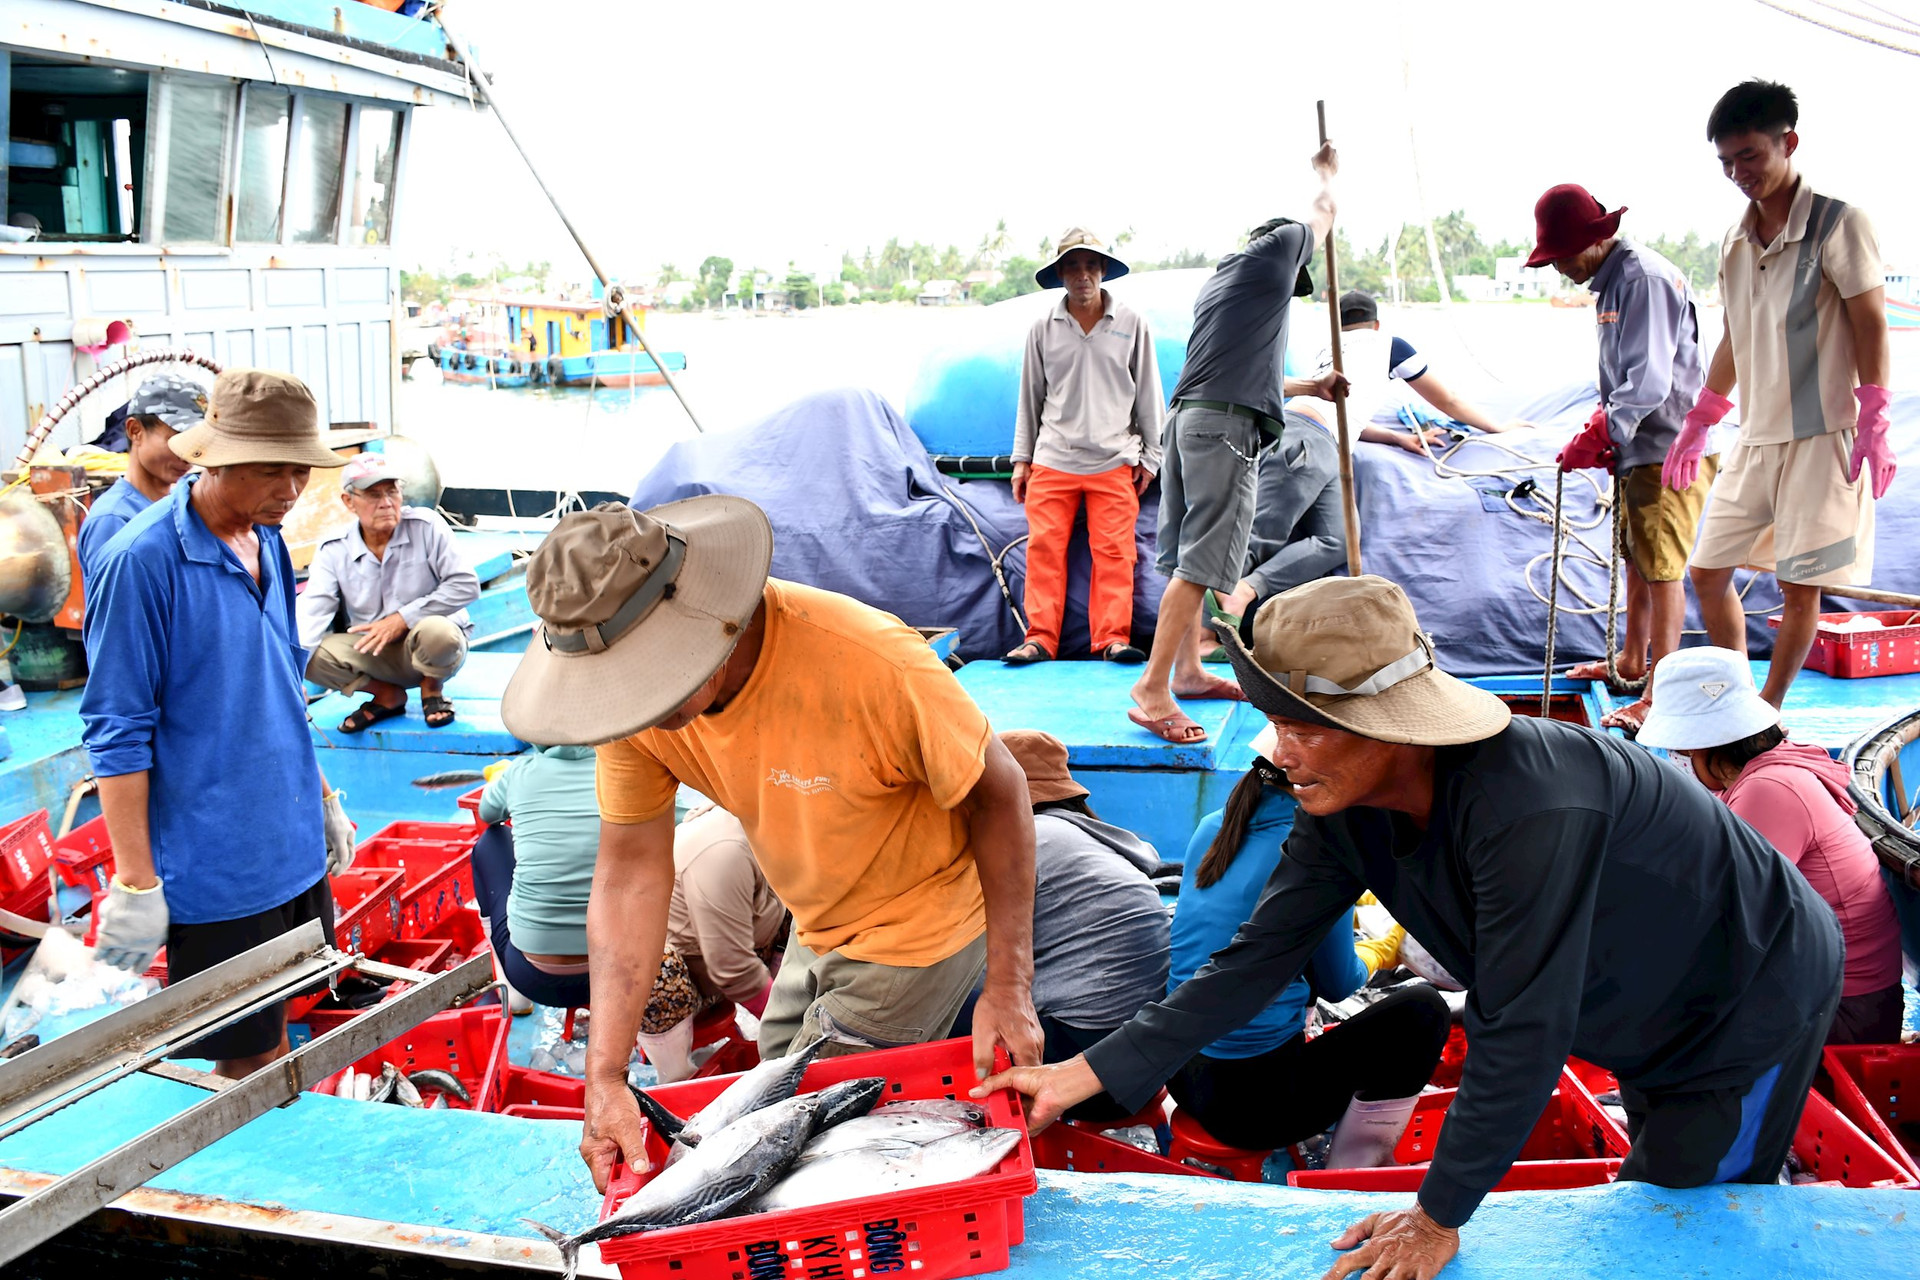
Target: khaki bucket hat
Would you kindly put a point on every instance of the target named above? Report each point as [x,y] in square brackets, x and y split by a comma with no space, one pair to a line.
[1043,758]
[1048,277]
[257,415]
[1347,653]
[637,610]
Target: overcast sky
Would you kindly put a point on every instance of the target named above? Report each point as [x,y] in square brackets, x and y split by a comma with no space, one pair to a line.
[773,132]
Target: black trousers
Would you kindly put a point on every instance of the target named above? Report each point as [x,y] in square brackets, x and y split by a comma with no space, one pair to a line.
[1738,1134]
[1388,1050]
[194,948]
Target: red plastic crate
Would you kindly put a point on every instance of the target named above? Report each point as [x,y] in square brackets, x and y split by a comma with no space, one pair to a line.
[1877,1086]
[1453,1060]
[84,856]
[471,803]
[439,875]
[428,955]
[1573,1127]
[1065,1146]
[26,851]
[1893,649]
[959,1229]
[454,835]
[544,1095]
[366,908]
[470,1043]
[1528,1175]
[1833,1149]
[462,928]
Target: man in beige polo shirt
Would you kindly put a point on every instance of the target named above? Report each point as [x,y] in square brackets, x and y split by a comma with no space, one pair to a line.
[1087,430]
[1806,340]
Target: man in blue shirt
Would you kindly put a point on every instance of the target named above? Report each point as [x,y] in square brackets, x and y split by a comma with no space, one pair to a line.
[195,718]
[164,404]
[1650,375]
[1227,403]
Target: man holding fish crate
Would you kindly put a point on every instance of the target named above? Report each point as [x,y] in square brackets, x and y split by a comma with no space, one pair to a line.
[884,812]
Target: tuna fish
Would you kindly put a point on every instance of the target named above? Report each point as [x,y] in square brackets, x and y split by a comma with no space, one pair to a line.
[731,1165]
[444,1081]
[949,1108]
[774,1080]
[901,1129]
[884,1170]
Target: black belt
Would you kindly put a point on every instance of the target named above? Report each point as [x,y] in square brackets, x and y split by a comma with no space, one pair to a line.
[1261,420]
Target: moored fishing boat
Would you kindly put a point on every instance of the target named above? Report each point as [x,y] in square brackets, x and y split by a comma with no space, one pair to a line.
[555,342]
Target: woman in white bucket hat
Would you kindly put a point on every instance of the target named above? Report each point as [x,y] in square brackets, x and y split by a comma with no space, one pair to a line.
[1712,720]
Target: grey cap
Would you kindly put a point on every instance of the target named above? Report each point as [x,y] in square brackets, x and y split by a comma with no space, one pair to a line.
[179,402]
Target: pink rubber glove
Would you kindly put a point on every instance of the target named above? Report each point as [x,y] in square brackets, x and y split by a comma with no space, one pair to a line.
[1682,466]
[1870,440]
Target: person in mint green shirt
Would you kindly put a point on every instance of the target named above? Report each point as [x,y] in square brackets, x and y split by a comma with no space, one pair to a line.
[532,879]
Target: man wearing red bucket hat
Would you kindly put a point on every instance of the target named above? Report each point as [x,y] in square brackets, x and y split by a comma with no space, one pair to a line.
[1806,339]
[1649,377]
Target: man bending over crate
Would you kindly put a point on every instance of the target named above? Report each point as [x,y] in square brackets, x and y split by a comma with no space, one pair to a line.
[884,812]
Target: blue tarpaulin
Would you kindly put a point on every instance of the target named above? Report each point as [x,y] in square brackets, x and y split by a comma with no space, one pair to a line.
[858,507]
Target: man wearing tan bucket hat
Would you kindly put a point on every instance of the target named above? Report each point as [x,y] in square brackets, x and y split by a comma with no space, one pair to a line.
[223,829]
[1592,899]
[885,814]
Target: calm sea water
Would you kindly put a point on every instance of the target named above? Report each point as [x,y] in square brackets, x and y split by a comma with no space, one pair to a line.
[741,367]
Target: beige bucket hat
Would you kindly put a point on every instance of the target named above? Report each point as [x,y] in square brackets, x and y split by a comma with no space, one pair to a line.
[1048,277]
[257,415]
[637,610]
[1347,653]
[1043,758]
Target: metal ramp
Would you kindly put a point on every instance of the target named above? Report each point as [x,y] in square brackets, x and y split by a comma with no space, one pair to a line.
[46,1080]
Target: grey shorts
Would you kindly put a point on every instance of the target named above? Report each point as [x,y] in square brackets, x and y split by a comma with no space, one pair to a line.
[1206,495]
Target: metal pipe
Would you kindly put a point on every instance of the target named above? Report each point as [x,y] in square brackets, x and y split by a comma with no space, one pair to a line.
[485,86]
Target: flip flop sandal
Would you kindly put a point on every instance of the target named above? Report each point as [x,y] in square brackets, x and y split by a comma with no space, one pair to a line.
[1179,728]
[1023,655]
[1125,654]
[1217,656]
[431,707]
[368,714]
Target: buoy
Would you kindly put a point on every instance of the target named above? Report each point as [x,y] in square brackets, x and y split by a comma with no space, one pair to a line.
[413,466]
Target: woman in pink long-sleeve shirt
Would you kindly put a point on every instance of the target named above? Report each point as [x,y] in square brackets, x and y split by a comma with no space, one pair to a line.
[1795,796]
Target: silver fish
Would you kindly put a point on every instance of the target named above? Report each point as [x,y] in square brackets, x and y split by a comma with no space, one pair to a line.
[405,1093]
[950,1108]
[732,1165]
[444,1081]
[774,1080]
[898,1129]
[383,1085]
[884,1170]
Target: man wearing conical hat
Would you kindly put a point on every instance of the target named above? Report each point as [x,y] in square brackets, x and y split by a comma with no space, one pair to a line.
[886,815]
[1594,901]
[195,715]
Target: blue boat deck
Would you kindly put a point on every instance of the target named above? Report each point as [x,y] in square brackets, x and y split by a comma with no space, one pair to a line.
[424,1168]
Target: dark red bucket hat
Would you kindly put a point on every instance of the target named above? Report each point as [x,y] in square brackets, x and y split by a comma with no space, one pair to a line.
[1568,219]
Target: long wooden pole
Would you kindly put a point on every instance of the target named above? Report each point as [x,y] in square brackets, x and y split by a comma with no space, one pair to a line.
[1347,501]
[485,88]
[1874,594]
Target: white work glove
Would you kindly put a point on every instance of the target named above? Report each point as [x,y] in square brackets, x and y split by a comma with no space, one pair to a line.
[133,926]
[340,831]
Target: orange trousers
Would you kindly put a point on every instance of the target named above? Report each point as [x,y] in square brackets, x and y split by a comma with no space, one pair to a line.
[1113,508]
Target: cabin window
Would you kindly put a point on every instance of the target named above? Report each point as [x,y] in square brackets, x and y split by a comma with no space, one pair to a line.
[370,195]
[265,123]
[192,123]
[319,159]
[77,134]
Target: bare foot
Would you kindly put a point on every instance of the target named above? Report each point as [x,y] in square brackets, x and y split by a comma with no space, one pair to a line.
[1208,687]
[1627,671]
[1629,717]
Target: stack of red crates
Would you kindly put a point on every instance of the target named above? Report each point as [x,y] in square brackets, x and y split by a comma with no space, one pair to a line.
[437,861]
[469,1043]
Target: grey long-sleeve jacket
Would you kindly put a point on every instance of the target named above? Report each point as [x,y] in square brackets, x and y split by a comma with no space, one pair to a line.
[1650,369]
[1595,902]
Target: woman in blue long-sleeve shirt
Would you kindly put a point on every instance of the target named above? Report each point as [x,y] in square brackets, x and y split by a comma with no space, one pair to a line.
[1266,1085]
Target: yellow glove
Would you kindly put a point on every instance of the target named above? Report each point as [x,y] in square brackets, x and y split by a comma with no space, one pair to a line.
[1380,953]
[494,770]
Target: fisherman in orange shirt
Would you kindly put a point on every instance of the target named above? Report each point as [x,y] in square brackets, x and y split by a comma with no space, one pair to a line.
[874,794]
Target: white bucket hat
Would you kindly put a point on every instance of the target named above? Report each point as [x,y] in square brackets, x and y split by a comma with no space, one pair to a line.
[1704,698]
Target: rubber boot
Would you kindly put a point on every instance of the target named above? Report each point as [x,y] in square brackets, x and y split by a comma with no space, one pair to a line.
[1367,1133]
[671,1051]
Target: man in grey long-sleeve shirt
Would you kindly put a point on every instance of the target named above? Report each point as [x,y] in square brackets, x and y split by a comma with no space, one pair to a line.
[1087,430]
[1650,375]
[404,588]
[1590,901]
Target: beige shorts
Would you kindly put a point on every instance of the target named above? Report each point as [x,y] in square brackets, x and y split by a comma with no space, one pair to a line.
[1661,522]
[1788,509]
[856,1005]
[434,649]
